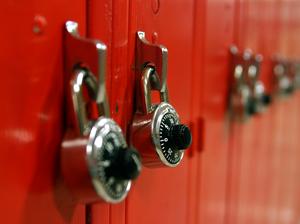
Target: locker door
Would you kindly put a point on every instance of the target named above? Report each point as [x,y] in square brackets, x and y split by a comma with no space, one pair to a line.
[160,194]
[289,154]
[254,135]
[31,123]
[280,128]
[264,154]
[295,8]
[195,169]
[218,36]
[108,22]
[236,129]
[270,47]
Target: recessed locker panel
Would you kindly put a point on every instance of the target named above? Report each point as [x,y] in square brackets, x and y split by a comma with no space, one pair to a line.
[32,190]
[264,154]
[280,148]
[198,122]
[160,195]
[237,131]
[254,138]
[246,137]
[215,154]
[268,47]
[287,203]
[295,7]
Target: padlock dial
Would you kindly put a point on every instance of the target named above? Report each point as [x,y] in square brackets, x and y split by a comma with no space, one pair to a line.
[180,136]
[169,136]
[107,153]
[167,145]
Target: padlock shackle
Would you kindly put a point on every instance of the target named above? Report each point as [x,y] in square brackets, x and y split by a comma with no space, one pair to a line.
[83,77]
[82,56]
[150,81]
[156,54]
[241,62]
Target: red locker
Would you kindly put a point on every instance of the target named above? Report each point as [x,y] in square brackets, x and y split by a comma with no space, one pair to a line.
[160,194]
[234,172]
[213,52]
[108,21]
[31,116]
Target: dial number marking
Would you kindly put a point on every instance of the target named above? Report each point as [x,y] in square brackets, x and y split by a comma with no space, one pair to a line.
[170,154]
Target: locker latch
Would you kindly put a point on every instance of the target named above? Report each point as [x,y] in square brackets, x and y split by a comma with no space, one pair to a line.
[247,92]
[283,76]
[156,130]
[240,102]
[257,89]
[96,162]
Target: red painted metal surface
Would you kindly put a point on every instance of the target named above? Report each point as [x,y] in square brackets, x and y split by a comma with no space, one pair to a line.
[212,179]
[32,116]
[241,172]
[108,21]
[159,195]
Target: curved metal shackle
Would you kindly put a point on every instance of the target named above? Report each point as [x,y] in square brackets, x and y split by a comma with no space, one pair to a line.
[254,67]
[83,77]
[150,81]
[240,64]
[237,67]
[238,71]
[85,63]
[151,68]
[156,54]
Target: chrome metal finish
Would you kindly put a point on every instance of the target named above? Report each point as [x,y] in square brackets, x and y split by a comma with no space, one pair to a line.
[297,74]
[82,77]
[91,149]
[157,55]
[159,113]
[90,54]
[283,79]
[240,93]
[97,163]
[148,82]
[151,75]
[260,98]
[238,72]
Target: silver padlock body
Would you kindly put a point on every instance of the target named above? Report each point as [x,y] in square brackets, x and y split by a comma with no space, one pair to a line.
[165,116]
[85,162]
[239,103]
[105,137]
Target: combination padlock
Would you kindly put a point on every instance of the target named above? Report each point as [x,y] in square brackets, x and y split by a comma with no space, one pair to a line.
[156,130]
[293,73]
[96,162]
[257,89]
[296,66]
[282,82]
[241,104]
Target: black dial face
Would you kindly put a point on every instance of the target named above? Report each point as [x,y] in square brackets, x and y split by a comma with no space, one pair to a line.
[111,143]
[171,154]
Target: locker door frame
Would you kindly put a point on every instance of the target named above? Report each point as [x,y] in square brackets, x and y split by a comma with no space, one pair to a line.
[172,209]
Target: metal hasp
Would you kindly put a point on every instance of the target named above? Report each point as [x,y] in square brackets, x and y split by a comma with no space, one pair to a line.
[295,69]
[96,162]
[247,93]
[156,129]
[259,97]
[286,75]
[240,102]
[156,56]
